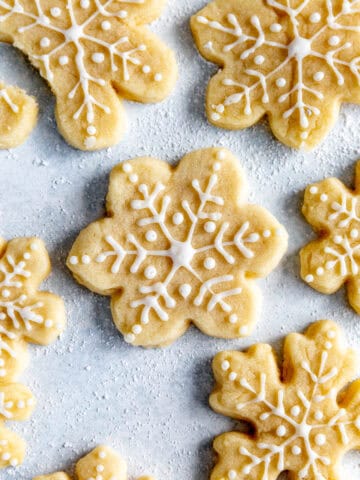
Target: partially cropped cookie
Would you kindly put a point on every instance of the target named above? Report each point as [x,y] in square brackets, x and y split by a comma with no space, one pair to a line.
[26,315]
[93,53]
[304,417]
[18,115]
[16,400]
[333,259]
[295,61]
[103,463]
[179,245]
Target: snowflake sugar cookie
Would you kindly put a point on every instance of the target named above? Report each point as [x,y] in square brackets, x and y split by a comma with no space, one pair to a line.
[294,60]
[302,425]
[18,115]
[92,53]
[334,259]
[179,245]
[103,463]
[26,315]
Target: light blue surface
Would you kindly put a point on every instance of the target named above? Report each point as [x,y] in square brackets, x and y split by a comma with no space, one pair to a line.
[91,386]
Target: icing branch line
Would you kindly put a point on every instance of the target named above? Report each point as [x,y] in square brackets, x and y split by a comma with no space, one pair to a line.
[205,197]
[238,241]
[347,8]
[342,258]
[5,406]
[16,270]
[216,298]
[237,31]
[148,203]
[300,106]
[152,301]
[5,336]
[5,96]
[353,65]
[237,97]
[18,313]
[343,209]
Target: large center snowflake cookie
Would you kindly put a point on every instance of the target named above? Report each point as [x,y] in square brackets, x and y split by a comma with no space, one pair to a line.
[103,463]
[26,315]
[294,60]
[18,115]
[92,53]
[302,424]
[179,245]
[334,259]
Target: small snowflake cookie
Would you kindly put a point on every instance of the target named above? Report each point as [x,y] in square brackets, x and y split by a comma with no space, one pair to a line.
[305,418]
[26,315]
[103,463]
[18,115]
[334,258]
[294,60]
[92,53]
[179,245]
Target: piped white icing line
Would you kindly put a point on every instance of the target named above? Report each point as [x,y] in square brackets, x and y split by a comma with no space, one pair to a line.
[347,209]
[119,52]
[5,97]
[297,50]
[13,307]
[302,427]
[156,298]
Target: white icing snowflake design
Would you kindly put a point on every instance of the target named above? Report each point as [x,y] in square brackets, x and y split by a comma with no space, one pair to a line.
[293,59]
[185,245]
[25,313]
[334,259]
[86,49]
[300,426]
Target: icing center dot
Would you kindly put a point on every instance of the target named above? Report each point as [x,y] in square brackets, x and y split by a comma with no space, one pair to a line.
[300,48]
[181,254]
[73,33]
[303,430]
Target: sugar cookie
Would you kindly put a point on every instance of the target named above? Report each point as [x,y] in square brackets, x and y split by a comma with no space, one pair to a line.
[294,60]
[92,53]
[334,259]
[25,312]
[179,245]
[26,315]
[103,463]
[302,423]
[18,115]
